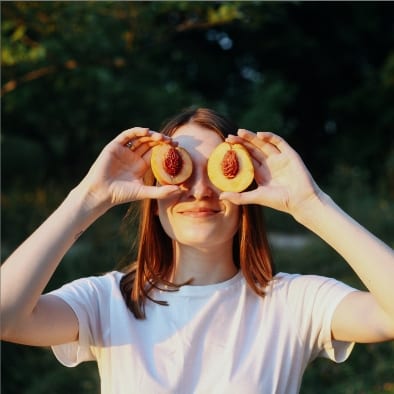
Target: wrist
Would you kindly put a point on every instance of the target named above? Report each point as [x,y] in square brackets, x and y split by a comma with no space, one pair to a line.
[309,211]
[86,203]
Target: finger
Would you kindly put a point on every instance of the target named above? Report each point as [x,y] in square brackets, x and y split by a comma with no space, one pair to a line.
[160,192]
[265,145]
[142,149]
[234,198]
[275,140]
[141,145]
[250,197]
[258,149]
[257,153]
[252,141]
[261,196]
[125,136]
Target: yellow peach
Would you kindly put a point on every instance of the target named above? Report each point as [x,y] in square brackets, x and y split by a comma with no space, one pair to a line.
[171,165]
[230,167]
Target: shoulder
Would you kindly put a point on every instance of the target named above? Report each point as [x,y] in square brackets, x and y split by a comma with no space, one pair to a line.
[305,282]
[90,287]
[106,279]
[298,289]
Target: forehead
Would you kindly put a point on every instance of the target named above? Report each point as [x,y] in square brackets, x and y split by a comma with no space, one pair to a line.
[196,139]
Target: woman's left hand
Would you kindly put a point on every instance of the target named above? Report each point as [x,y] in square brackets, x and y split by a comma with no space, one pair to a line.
[283,181]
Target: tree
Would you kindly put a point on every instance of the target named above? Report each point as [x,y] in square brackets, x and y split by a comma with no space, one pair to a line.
[74,74]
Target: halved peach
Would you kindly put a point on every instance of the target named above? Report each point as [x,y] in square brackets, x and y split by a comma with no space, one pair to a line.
[230,167]
[171,165]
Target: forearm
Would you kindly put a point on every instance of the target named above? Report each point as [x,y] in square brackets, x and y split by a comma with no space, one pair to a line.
[25,274]
[369,257]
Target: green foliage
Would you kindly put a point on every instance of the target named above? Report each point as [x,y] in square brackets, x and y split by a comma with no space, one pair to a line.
[267,101]
[74,74]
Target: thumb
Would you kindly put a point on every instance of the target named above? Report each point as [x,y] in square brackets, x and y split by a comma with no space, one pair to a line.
[249,197]
[160,192]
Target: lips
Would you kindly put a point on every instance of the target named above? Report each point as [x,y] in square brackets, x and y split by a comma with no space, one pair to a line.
[199,211]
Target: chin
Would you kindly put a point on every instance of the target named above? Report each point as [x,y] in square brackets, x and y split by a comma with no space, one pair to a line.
[200,238]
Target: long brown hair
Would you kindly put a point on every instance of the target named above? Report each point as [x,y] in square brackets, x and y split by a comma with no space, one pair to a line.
[251,251]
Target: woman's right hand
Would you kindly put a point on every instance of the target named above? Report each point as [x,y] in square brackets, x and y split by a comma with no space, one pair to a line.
[116,177]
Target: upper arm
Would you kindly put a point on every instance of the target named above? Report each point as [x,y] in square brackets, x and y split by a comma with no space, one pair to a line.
[359,318]
[52,322]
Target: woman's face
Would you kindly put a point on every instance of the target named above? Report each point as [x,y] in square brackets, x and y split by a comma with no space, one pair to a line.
[197,217]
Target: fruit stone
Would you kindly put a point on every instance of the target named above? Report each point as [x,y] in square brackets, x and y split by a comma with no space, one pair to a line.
[230,167]
[171,165]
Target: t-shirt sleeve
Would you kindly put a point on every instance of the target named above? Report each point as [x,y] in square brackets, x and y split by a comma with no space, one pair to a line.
[313,300]
[88,298]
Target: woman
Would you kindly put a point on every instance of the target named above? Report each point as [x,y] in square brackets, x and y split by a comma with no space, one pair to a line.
[201,310]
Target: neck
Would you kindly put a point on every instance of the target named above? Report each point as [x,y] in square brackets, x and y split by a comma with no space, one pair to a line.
[203,266]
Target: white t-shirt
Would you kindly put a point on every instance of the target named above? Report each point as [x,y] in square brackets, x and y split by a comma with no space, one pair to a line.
[214,339]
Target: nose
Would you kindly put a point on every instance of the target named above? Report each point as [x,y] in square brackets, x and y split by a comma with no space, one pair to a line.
[200,187]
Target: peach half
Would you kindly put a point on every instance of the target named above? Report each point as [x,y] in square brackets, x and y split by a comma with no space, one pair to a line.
[230,167]
[171,165]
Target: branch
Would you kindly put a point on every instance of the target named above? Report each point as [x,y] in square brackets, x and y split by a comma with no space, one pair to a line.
[35,74]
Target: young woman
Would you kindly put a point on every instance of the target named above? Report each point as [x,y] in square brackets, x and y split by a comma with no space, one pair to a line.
[201,310]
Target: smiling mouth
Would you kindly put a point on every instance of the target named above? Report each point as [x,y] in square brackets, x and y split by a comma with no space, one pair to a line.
[199,212]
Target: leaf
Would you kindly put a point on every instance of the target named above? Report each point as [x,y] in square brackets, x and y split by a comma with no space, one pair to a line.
[19,33]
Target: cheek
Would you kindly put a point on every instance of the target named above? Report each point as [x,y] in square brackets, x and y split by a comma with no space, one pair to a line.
[162,210]
[163,205]
[234,219]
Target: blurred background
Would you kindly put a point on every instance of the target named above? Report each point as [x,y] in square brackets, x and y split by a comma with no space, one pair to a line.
[75,74]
